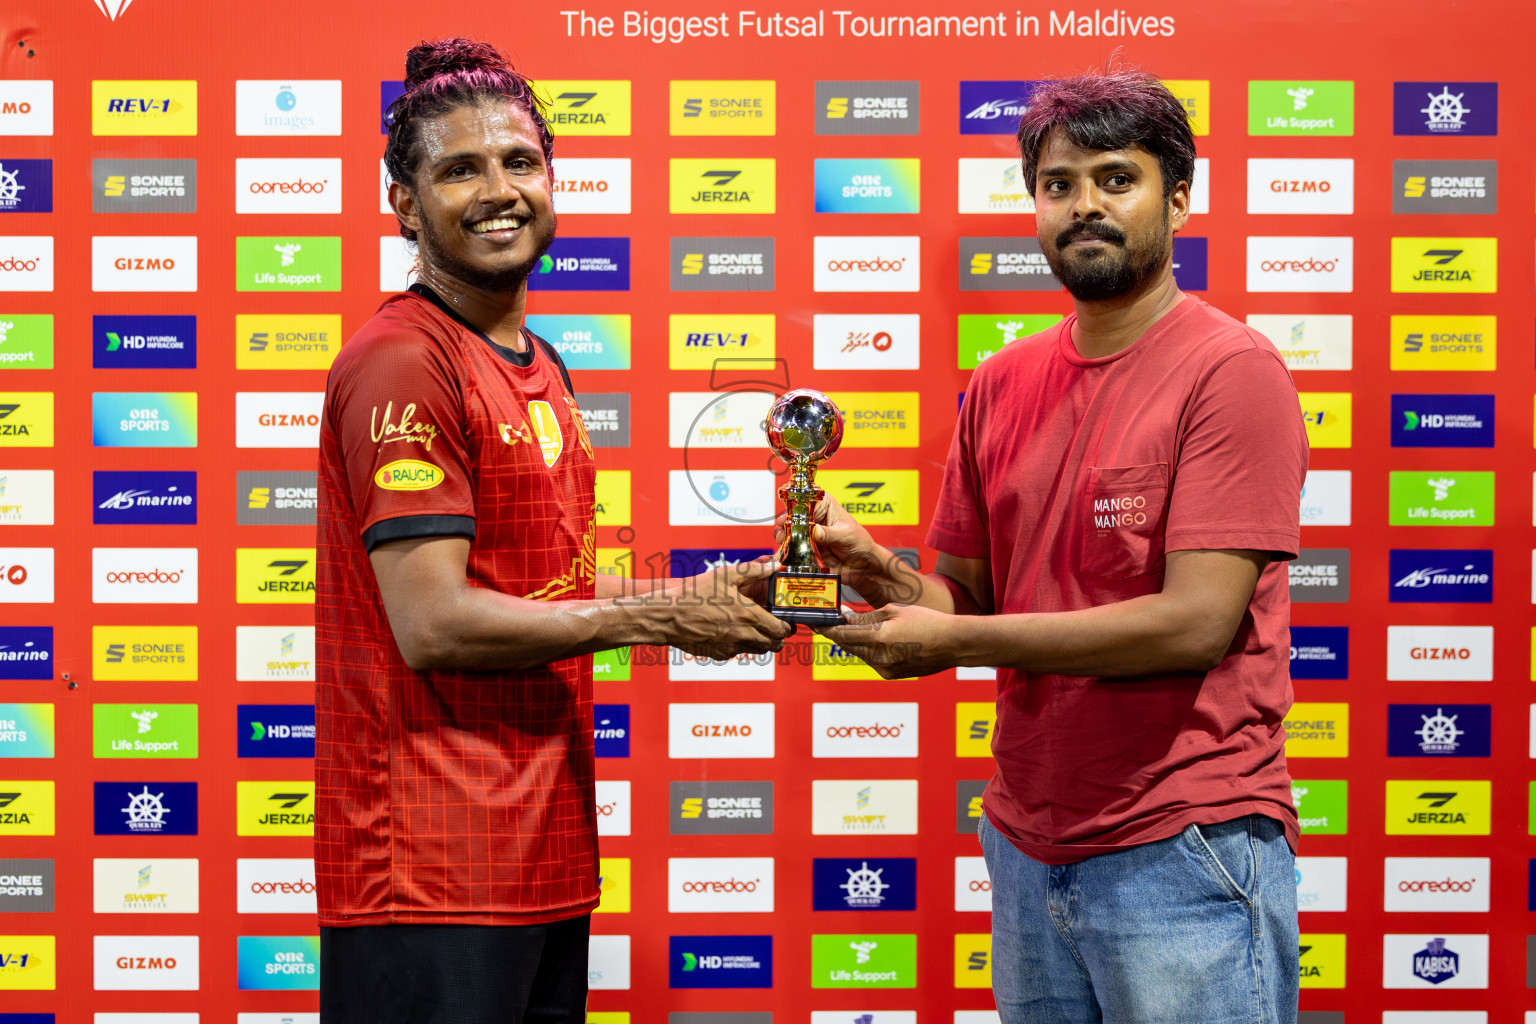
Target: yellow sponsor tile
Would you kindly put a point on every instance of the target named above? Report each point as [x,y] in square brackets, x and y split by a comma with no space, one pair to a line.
[144,108]
[722,108]
[289,342]
[1195,94]
[26,419]
[144,652]
[275,575]
[1439,265]
[973,960]
[875,497]
[613,500]
[587,106]
[878,419]
[1317,730]
[975,723]
[699,341]
[27,808]
[1439,807]
[614,885]
[284,808]
[1322,961]
[1444,342]
[722,185]
[1329,417]
[28,963]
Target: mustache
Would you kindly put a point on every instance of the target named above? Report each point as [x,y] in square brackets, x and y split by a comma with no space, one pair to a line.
[1090,229]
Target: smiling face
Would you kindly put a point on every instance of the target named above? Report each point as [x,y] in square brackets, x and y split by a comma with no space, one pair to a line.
[480,200]
[1104,224]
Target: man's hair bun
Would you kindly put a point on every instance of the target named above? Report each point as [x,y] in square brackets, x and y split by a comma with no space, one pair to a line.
[426,61]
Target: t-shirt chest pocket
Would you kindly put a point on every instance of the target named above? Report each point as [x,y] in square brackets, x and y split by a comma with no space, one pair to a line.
[1122,521]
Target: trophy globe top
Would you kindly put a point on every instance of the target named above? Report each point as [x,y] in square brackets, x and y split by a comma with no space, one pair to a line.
[804,426]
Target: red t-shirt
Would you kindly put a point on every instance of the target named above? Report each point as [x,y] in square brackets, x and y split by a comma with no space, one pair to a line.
[450,797]
[1073,477]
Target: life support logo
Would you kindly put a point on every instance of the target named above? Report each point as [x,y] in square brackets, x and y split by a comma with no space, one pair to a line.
[408,475]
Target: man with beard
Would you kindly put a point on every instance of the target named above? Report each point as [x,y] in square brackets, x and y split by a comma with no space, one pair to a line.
[458,604]
[1120,498]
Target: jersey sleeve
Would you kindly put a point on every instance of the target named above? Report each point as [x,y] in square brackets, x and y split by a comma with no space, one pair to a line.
[959,527]
[396,408]
[1242,461]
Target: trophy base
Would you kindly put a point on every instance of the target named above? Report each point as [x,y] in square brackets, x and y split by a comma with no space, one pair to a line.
[808,598]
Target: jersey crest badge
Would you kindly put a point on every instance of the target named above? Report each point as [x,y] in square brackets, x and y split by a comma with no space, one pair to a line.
[546,428]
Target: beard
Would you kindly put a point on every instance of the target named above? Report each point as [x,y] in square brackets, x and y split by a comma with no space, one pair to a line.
[1112,271]
[504,278]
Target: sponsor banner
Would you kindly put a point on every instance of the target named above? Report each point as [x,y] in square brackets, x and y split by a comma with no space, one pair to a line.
[720,961]
[993,185]
[278,419]
[397,263]
[973,960]
[1322,806]
[143,108]
[993,108]
[26,107]
[1191,263]
[1424,961]
[287,342]
[144,419]
[1195,94]
[1320,575]
[1444,343]
[26,730]
[145,496]
[275,575]
[1442,421]
[144,575]
[1328,417]
[843,1017]
[722,108]
[287,263]
[1322,960]
[1445,186]
[722,185]
[612,493]
[1301,186]
[275,808]
[279,498]
[1200,188]
[975,723]
[144,186]
[830,661]
[701,497]
[1301,108]
[26,262]
[145,808]
[1439,730]
[276,1018]
[720,730]
[275,885]
[144,730]
[184,1018]
[1319,652]
[703,341]
[875,497]
[1440,653]
[1321,884]
[26,341]
[1438,807]
[864,883]
[1445,108]
[1434,576]
[26,652]
[28,962]
[1004,264]
[1445,265]
[1311,341]
[694,561]
[709,419]
[27,807]
[1317,730]
[613,807]
[610,730]
[26,186]
[973,886]
[867,341]
[266,654]
[720,885]
[866,263]
[863,807]
[592,185]
[722,264]
[162,653]
[1326,498]
[26,575]
[144,342]
[583,265]
[589,107]
[608,964]
[277,185]
[288,107]
[721,808]
[388,93]
[284,962]
[614,885]
[863,730]
[143,263]
[1439,885]
[599,342]
[1440,499]
[1279,263]
[868,108]
[139,885]
[878,419]
[979,335]
[606,417]
[885,185]
[27,886]
[275,730]
[863,961]
[26,497]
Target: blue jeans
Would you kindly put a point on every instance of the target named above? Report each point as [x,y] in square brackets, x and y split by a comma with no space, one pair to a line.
[1196,929]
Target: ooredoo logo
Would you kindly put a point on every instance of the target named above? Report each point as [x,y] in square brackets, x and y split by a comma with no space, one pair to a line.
[720,730]
[275,886]
[287,185]
[1437,884]
[613,805]
[26,263]
[1300,264]
[720,885]
[866,263]
[863,730]
[144,575]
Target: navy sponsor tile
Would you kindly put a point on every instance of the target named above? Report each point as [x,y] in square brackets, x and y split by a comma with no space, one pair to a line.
[26,652]
[146,808]
[1319,652]
[26,186]
[276,730]
[693,561]
[144,342]
[720,961]
[144,496]
[1442,421]
[1435,576]
[388,93]
[993,108]
[1439,730]
[864,883]
[610,730]
[583,265]
[1191,263]
[1445,108]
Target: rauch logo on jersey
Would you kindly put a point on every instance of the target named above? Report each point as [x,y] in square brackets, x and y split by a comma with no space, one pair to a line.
[1425,576]
[1439,730]
[720,961]
[1319,652]
[722,265]
[1445,186]
[146,496]
[993,108]
[275,730]
[26,186]
[864,883]
[868,108]
[721,808]
[1445,108]
[291,107]
[146,808]
[144,342]
[1442,421]
[26,652]
[144,186]
[144,419]
[583,265]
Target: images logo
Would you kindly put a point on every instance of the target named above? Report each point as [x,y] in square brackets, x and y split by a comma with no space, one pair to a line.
[1319,652]
[275,730]
[993,108]
[863,961]
[1443,807]
[868,108]
[288,107]
[720,961]
[275,575]
[275,808]
[721,808]
[722,185]
[1322,884]
[144,342]
[26,186]
[1442,421]
[722,265]
[146,496]
[583,265]
[26,107]
[1300,264]
[143,186]
[868,186]
[1439,730]
[144,730]
[866,263]
[166,653]
[1301,108]
[592,185]
[1440,499]
[276,498]
[287,185]
[26,652]
[1445,108]
[599,342]
[864,883]
[1445,264]
[1445,186]
[143,108]
[287,264]
[1301,186]
[144,419]
[587,107]
[146,808]
[1444,342]
[1434,577]
[722,108]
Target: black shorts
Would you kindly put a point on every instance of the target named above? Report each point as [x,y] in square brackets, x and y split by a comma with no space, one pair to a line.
[455,974]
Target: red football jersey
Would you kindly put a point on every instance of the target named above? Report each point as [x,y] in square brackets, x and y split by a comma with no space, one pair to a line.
[450,797]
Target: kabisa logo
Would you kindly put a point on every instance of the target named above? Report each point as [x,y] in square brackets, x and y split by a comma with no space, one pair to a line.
[864,883]
[143,107]
[146,808]
[1425,576]
[1442,421]
[723,108]
[993,108]
[1319,652]
[144,342]
[720,961]
[1435,963]
[593,107]
[1445,265]
[143,186]
[164,497]
[26,652]
[722,265]
[1004,264]
[26,186]
[275,730]
[721,808]
[1438,730]
[610,730]
[583,265]
[1445,108]
[868,108]
[288,107]
[722,185]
